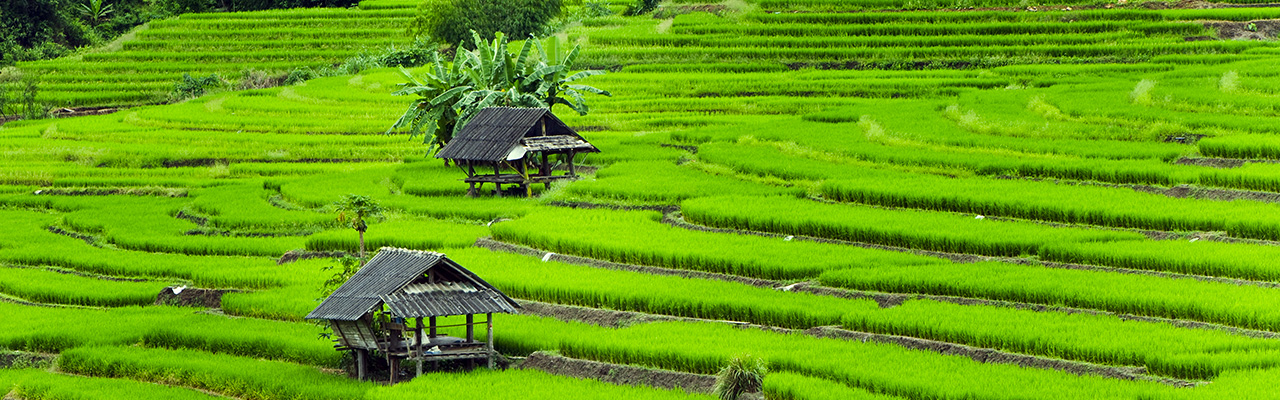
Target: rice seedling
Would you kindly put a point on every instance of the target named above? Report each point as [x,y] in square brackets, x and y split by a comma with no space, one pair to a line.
[550,281]
[793,386]
[422,234]
[519,384]
[43,385]
[44,329]
[1059,202]
[1221,303]
[62,287]
[1234,260]
[903,228]
[229,375]
[639,238]
[661,182]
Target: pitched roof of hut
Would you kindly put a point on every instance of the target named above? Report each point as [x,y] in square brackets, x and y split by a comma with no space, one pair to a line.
[398,278]
[498,133]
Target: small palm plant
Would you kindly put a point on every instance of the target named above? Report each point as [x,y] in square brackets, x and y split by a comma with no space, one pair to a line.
[742,374]
[356,209]
[95,11]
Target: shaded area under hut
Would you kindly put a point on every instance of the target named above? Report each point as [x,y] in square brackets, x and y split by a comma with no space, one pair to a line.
[370,312]
[516,144]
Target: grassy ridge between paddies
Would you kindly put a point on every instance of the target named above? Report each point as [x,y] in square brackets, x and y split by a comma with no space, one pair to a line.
[801,154]
[793,386]
[702,348]
[1162,348]
[44,329]
[1239,260]
[967,234]
[150,224]
[1058,202]
[662,182]
[224,374]
[203,44]
[26,240]
[637,237]
[527,277]
[1235,305]
[520,384]
[903,228]
[31,384]
[62,287]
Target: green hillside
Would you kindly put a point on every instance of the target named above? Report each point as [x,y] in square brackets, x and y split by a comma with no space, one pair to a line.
[981,199]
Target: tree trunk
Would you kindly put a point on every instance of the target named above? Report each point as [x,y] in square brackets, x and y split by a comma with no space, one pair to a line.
[361,247]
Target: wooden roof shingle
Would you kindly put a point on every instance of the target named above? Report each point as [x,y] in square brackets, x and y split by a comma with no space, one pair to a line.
[492,133]
[385,278]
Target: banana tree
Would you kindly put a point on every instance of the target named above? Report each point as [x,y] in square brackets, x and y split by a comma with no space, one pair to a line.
[495,77]
[550,80]
[95,11]
[490,76]
[434,114]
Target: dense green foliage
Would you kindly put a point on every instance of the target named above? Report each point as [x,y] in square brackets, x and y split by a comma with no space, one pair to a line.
[452,21]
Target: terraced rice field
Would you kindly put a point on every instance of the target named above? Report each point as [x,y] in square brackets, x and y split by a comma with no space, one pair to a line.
[883,199]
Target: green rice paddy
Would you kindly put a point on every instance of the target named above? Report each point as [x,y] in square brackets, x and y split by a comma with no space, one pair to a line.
[1071,182]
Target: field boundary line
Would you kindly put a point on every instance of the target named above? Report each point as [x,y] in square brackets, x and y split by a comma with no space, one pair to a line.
[679,222]
[622,318]
[885,300]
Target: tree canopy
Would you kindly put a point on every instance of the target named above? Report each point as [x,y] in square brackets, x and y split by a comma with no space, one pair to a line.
[452,21]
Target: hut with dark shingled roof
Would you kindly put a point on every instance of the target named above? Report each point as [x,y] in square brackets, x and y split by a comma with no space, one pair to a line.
[515,143]
[370,312]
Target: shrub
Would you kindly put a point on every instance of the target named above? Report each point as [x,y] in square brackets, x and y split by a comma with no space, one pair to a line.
[452,21]
[641,7]
[259,79]
[299,75]
[191,87]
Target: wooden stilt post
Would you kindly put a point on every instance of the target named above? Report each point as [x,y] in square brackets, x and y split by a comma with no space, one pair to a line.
[433,327]
[391,367]
[572,171]
[361,355]
[394,363]
[417,336]
[471,329]
[488,346]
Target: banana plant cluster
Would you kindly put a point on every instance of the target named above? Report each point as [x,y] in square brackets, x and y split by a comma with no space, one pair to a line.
[450,93]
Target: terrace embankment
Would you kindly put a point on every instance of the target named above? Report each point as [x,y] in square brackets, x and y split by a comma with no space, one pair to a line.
[677,221]
[995,356]
[883,299]
[495,245]
[618,373]
[184,296]
[632,375]
[1247,30]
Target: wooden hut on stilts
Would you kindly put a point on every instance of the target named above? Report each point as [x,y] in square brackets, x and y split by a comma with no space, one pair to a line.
[514,143]
[370,312]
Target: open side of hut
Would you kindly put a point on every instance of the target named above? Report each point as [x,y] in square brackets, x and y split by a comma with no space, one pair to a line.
[371,310]
[515,143]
